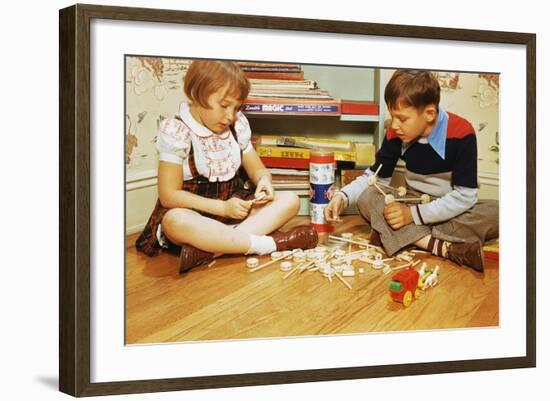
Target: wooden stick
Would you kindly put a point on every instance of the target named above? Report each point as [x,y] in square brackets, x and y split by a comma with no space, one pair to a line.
[408,199]
[342,280]
[307,266]
[405,265]
[350,241]
[290,273]
[379,189]
[386,186]
[350,254]
[378,170]
[270,262]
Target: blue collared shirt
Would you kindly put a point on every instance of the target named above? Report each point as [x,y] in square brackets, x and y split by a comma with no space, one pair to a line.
[438,136]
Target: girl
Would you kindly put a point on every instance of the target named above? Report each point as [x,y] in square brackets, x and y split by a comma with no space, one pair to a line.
[200,185]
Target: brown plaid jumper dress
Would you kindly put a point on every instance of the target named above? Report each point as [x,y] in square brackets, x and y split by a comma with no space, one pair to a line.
[239,186]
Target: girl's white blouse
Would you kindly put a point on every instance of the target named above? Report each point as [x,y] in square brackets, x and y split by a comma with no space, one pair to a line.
[217,156]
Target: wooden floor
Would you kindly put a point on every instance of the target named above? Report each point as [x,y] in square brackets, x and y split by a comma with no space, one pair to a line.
[226,301]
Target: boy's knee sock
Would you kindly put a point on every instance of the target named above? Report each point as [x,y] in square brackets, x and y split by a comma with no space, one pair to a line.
[261,245]
[438,247]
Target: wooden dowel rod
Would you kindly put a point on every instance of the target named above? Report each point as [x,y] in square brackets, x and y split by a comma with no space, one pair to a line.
[405,265]
[270,262]
[350,241]
[342,280]
[379,189]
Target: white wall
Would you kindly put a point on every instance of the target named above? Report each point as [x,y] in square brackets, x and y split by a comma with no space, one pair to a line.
[29,283]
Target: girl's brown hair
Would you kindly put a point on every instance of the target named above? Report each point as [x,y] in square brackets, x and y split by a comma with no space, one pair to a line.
[412,88]
[205,77]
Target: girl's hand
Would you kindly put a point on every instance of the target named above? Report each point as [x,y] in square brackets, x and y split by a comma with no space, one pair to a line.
[334,208]
[236,208]
[397,215]
[265,186]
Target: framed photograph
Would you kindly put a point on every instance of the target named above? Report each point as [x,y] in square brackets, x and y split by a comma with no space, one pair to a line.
[132,324]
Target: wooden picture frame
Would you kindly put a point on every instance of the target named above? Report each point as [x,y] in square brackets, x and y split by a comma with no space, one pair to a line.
[75,207]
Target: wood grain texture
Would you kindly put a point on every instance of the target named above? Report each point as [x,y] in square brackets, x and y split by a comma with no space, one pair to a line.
[226,301]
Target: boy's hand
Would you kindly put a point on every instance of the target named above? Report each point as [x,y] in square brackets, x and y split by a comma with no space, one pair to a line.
[397,215]
[236,208]
[333,209]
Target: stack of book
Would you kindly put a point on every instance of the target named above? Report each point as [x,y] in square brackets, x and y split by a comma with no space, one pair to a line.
[282,89]
[294,151]
[289,178]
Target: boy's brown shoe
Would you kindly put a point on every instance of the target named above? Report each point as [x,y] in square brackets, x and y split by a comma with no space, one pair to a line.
[467,253]
[303,237]
[191,257]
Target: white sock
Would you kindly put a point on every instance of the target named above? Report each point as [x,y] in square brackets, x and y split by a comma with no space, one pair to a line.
[261,245]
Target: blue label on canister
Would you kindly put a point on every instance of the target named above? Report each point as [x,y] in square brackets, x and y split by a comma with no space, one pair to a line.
[321,193]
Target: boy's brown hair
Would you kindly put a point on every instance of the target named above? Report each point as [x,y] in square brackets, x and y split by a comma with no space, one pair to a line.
[204,77]
[414,88]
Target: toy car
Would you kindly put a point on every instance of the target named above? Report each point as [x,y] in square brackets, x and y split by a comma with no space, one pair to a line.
[404,286]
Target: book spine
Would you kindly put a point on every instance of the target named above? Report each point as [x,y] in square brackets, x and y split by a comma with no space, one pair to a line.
[253,68]
[281,162]
[299,153]
[364,108]
[262,64]
[251,106]
[273,140]
[274,75]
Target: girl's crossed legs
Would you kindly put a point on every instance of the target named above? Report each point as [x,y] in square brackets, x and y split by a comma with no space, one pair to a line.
[186,226]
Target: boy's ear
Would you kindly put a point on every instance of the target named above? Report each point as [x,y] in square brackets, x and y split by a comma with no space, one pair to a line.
[430,112]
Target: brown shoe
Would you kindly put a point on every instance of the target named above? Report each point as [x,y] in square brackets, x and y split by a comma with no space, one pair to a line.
[467,253]
[303,237]
[191,257]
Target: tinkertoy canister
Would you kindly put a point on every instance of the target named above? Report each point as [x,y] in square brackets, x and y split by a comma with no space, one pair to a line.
[321,182]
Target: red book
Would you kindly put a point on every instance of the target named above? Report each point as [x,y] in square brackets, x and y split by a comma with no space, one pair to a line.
[285,162]
[294,76]
[360,107]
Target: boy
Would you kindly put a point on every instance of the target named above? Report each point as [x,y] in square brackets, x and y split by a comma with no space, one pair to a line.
[440,152]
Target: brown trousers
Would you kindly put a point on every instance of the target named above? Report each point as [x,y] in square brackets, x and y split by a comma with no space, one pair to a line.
[480,223]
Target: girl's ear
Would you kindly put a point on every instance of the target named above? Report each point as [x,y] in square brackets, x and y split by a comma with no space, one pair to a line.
[430,113]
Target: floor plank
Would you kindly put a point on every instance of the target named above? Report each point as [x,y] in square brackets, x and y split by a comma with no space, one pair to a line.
[226,301]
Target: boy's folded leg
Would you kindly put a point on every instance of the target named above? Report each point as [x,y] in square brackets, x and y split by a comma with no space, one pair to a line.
[303,237]
[371,207]
[467,253]
[192,257]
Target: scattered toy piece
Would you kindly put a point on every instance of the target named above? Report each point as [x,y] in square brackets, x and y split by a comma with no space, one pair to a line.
[271,262]
[252,262]
[299,256]
[285,266]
